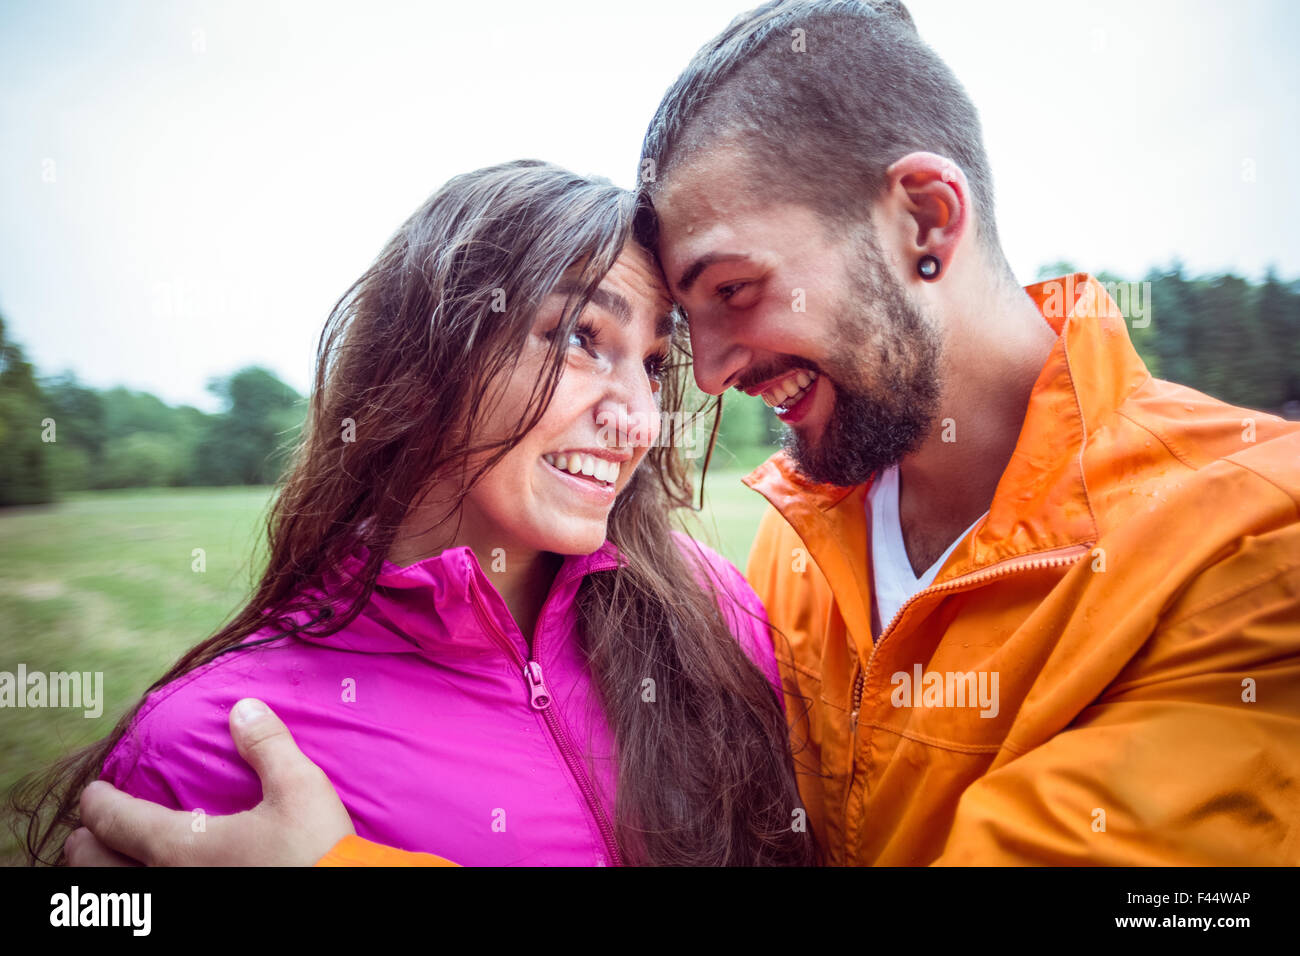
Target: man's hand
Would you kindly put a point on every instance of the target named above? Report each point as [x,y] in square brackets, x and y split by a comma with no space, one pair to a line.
[299,819]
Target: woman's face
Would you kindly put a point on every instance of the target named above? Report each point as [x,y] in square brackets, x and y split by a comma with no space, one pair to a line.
[554,489]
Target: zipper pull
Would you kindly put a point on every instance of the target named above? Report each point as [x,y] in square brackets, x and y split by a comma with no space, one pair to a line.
[857,701]
[540,697]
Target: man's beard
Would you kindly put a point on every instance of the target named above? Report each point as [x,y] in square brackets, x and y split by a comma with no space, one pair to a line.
[868,430]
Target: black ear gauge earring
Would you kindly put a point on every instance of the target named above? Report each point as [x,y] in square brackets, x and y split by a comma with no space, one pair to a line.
[928,267]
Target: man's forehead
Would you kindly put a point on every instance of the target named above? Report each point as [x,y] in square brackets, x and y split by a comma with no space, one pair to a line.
[709,186]
[696,235]
[693,226]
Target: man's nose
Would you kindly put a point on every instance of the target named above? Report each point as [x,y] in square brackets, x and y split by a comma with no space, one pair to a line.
[716,358]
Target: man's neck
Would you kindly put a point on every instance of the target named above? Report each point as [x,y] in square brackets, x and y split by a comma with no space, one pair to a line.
[993,358]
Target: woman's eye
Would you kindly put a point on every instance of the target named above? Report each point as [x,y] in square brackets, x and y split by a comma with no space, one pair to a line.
[725,292]
[656,366]
[582,337]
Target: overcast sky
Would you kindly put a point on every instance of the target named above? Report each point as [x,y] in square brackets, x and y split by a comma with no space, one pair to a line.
[187,187]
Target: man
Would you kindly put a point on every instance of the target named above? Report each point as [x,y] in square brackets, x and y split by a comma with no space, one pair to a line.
[1033,605]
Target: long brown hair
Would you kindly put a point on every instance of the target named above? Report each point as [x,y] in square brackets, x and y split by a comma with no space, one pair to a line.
[410,361]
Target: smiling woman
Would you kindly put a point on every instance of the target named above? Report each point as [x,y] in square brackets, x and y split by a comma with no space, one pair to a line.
[616,355]
[473,601]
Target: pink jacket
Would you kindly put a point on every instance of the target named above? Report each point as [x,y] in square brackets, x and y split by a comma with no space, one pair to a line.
[438,731]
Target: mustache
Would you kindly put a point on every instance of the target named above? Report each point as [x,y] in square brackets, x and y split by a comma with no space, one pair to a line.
[765,373]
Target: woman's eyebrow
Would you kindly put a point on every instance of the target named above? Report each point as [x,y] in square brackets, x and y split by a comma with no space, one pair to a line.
[617,306]
[611,302]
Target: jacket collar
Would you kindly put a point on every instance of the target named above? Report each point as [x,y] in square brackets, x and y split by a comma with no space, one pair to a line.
[430,606]
[1041,502]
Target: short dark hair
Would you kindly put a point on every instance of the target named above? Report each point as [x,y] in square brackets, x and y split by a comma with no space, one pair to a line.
[822,113]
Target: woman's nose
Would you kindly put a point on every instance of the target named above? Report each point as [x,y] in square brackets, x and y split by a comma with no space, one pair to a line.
[628,413]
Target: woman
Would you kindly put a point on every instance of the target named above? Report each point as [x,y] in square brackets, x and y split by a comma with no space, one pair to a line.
[475,618]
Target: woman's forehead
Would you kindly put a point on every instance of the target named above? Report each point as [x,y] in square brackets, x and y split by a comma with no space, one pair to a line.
[633,288]
[638,272]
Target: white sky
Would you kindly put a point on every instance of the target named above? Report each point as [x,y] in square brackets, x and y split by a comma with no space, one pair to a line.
[222,171]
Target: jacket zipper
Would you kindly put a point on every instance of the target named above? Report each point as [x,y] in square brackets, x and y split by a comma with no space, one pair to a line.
[1063,556]
[539,698]
[1066,556]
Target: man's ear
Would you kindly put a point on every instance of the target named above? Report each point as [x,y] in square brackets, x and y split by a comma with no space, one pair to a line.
[932,191]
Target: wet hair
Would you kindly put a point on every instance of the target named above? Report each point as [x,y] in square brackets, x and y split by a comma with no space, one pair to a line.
[414,353]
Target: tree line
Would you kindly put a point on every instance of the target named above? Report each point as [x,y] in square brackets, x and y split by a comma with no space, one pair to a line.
[58,435]
[1224,335]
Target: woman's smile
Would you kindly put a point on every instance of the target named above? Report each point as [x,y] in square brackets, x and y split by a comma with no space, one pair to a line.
[572,471]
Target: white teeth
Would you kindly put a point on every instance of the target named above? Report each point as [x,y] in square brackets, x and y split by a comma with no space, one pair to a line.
[577,463]
[780,393]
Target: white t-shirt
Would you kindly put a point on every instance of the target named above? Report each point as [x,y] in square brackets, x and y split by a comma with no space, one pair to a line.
[893,579]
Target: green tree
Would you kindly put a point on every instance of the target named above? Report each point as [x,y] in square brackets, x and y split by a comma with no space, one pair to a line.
[143,460]
[24,467]
[79,413]
[1175,330]
[249,442]
[127,413]
[1278,317]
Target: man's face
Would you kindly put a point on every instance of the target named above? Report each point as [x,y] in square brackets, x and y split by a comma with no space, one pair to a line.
[780,305]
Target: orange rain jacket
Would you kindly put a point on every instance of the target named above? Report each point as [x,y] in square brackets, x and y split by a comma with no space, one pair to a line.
[1134,589]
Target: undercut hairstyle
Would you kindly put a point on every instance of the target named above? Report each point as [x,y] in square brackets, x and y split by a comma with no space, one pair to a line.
[822,96]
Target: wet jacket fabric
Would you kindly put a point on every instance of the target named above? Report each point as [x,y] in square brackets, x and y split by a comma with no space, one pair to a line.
[442,728]
[1134,592]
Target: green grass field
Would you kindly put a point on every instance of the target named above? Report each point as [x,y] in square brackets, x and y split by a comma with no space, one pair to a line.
[103,582]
